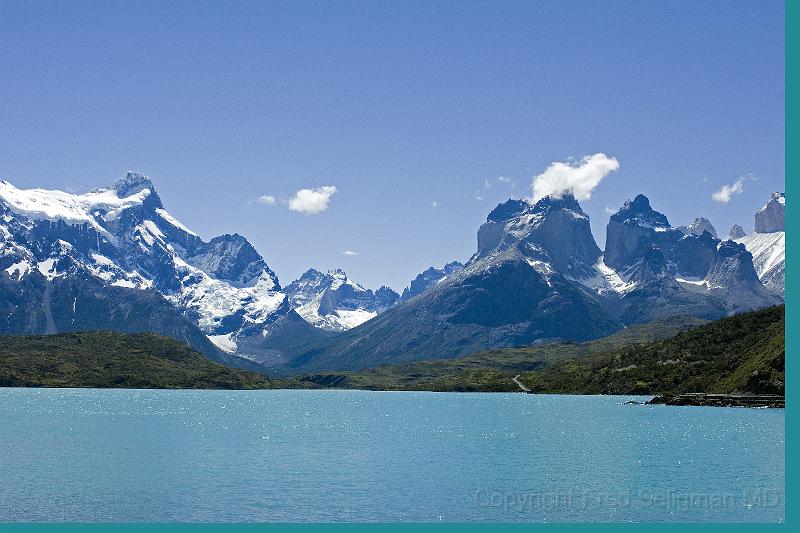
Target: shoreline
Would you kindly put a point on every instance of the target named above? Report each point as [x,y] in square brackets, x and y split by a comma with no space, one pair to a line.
[699,399]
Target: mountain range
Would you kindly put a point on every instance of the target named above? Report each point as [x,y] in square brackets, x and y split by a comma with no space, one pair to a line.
[538,274]
[115,259]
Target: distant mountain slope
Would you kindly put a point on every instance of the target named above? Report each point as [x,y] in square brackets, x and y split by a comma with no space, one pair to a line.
[114,360]
[489,371]
[429,278]
[743,353]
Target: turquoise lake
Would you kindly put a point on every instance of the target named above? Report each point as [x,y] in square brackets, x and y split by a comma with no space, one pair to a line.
[154,455]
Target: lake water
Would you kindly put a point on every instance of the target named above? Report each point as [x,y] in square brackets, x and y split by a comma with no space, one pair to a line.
[137,455]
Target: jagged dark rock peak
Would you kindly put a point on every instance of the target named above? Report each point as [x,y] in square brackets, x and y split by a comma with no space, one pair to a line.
[632,230]
[429,278]
[736,232]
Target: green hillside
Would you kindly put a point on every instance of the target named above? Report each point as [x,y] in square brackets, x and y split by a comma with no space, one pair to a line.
[114,360]
[489,371]
[743,353]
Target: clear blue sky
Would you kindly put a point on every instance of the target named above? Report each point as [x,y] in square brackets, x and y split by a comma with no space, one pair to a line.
[396,104]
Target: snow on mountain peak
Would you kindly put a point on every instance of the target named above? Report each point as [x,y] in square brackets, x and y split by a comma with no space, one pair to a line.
[334,302]
[94,208]
[122,236]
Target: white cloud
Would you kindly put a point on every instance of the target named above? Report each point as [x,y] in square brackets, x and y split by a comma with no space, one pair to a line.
[610,210]
[312,201]
[479,196]
[267,199]
[726,192]
[435,203]
[579,178]
[349,252]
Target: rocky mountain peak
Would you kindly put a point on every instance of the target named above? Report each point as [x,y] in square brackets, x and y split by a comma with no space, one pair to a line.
[698,226]
[734,263]
[508,210]
[333,302]
[554,230]
[638,212]
[311,274]
[231,258]
[733,279]
[633,228]
[131,183]
[770,218]
[566,201]
[430,278]
[736,232]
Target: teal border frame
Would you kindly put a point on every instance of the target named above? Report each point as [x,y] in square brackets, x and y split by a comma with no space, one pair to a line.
[792,155]
[792,501]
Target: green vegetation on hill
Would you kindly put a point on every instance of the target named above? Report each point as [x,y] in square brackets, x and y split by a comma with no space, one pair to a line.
[742,353]
[489,371]
[114,360]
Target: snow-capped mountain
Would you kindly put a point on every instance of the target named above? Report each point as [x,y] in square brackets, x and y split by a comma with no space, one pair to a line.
[768,243]
[511,292]
[538,274]
[698,226]
[700,276]
[114,258]
[333,302]
[123,237]
[429,278]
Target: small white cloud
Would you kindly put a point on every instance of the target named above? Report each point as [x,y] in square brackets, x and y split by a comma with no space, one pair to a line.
[726,192]
[503,179]
[349,252]
[435,203]
[610,210]
[577,177]
[312,201]
[487,184]
[479,196]
[267,199]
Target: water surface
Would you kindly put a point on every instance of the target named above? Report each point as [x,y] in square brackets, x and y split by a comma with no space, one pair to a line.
[145,455]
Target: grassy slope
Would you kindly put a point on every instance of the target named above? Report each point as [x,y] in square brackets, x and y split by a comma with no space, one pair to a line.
[743,353]
[110,359]
[740,353]
[487,371]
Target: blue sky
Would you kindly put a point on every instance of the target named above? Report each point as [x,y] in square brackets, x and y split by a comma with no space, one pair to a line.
[412,111]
